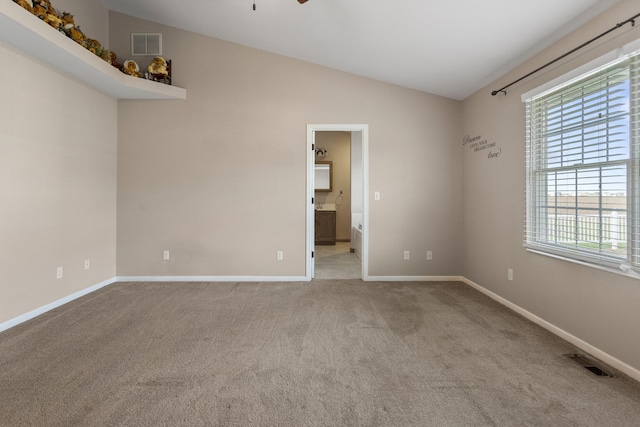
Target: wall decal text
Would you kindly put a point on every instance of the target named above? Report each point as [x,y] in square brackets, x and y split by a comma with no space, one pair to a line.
[478,144]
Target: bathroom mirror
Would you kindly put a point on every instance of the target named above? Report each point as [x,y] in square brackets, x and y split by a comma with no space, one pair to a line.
[324,176]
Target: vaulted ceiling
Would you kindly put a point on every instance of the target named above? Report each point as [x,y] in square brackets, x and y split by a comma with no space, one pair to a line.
[448,47]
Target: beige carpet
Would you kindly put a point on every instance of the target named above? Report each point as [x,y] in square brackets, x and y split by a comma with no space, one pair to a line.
[329,353]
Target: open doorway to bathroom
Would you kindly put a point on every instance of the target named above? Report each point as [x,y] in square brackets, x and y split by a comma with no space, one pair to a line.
[336,257]
[336,220]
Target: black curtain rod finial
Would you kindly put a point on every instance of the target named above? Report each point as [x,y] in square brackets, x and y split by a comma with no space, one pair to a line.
[495,92]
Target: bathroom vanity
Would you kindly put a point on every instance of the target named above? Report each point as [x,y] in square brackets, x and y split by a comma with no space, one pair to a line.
[325,227]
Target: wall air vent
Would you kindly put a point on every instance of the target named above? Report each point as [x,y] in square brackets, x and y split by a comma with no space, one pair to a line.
[146,44]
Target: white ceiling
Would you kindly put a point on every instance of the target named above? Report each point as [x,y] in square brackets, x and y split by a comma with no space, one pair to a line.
[447,47]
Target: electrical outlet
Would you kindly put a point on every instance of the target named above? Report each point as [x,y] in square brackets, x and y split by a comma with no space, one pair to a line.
[165,255]
[429,255]
[59,272]
[279,255]
[407,255]
[510,274]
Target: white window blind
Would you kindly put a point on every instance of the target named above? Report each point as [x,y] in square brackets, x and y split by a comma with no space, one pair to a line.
[583,181]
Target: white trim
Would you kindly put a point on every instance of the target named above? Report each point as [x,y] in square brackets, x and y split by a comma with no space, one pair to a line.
[631,47]
[630,274]
[311,129]
[415,278]
[211,278]
[38,311]
[365,202]
[583,345]
[309,207]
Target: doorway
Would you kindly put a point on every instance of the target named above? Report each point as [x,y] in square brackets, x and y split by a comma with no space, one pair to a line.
[356,216]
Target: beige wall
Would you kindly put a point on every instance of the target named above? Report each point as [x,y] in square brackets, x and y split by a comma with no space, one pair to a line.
[90,15]
[338,145]
[598,307]
[58,185]
[219,179]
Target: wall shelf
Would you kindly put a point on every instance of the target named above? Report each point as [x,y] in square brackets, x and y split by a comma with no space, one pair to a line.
[27,33]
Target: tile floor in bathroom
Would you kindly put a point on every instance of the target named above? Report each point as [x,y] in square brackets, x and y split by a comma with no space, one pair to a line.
[336,262]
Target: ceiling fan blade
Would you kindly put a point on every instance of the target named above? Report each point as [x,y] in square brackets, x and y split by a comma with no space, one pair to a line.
[302,1]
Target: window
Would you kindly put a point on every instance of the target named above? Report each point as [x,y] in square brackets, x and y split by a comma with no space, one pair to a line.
[583,182]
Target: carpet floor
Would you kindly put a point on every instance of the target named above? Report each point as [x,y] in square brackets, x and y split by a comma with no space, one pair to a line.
[325,353]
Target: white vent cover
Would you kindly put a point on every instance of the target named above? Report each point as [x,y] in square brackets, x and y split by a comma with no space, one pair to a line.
[146,44]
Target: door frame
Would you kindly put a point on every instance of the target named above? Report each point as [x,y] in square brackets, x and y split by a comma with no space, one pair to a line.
[310,212]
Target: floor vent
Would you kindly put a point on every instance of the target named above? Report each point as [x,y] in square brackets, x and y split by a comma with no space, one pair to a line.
[592,366]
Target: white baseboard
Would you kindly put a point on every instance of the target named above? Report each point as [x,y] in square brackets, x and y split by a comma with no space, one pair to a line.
[211,279]
[583,345]
[413,279]
[38,311]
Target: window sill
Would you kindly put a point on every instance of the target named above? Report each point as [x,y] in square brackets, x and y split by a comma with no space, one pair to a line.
[631,274]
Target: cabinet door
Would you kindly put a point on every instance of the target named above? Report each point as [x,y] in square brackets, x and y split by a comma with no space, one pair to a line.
[325,227]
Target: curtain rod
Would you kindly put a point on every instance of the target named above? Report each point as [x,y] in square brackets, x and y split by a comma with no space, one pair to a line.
[630,20]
